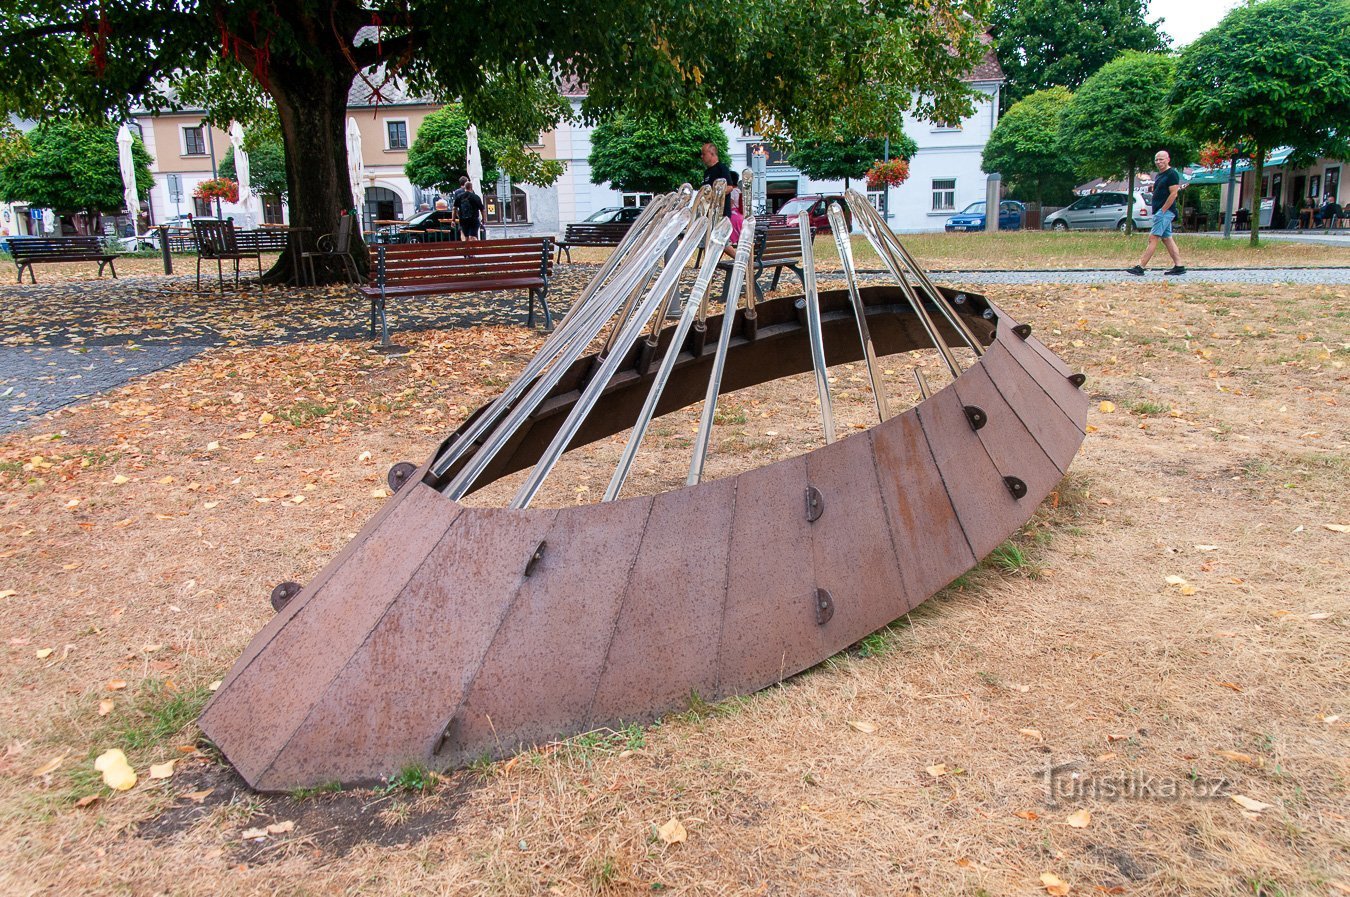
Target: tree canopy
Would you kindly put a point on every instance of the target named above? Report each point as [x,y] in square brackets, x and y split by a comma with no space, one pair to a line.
[72,166]
[1060,43]
[1120,117]
[1271,74]
[438,154]
[1027,148]
[639,154]
[766,64]
[839,155]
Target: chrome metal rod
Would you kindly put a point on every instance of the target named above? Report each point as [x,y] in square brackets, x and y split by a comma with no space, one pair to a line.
[557,341]
[473,469]
[747,181]
[812,298]
[718,238]
[903,256]
[591,394]
[705,421]
[861,206]
[839,227]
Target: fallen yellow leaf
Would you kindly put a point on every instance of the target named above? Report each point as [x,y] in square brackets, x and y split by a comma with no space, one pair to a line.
[1175,580]
[937,770]
[1337,527]
[162,770]
[672,832]
[198,796]
[1107,407]
[8,593]
[117,772]
[281,828]
[266,418]
[1055,885]
[1247,803]
[1028,815]
[863,726]
[1236,756]
[1080,819]
[1188,589]
[250,834]
[50,766]
[120,479]
[1034,734]
[105,706]
[116,684]
[44,653]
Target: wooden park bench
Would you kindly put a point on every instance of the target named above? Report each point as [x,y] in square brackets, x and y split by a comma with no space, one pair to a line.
[476,266]
[30,251]
[218,241]
[776,248]
[609,234]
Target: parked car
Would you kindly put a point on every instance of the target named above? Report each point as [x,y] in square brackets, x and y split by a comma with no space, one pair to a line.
[1100,211]
[421,228]
[972,217]
[816,205]
[615,215]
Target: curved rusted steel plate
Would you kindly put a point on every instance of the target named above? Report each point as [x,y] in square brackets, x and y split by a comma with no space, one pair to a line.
[444,633]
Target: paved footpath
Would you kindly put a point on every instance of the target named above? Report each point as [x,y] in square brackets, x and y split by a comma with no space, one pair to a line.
[70,342]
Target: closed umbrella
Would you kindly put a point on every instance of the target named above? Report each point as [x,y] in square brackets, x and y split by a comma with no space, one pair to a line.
[241,173]
[128,166]
[356,166]
[474,159]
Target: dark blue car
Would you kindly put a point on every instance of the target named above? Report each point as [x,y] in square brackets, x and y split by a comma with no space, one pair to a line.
[972,216]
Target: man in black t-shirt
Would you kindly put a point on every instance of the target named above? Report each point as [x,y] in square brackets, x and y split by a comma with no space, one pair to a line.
[718,170]
[469,207]
[1166,196]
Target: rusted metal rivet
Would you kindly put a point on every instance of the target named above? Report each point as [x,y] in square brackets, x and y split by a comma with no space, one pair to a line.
[824,607]
[976,416]
[535,558]
[399,474]
[1016,486]
[815,505]
[1022,330]
[1078,380]
[283,593]
[987,314]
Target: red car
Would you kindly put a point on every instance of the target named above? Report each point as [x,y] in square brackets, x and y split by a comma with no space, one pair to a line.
[815,204]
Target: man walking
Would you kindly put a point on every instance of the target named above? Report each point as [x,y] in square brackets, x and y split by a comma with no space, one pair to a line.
[1166,189]
[469,207]
[718,170]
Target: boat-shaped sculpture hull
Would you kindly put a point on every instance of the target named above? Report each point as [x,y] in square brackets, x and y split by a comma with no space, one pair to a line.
[444,633]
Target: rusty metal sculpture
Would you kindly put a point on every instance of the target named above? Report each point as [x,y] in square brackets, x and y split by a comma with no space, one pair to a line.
[445,632]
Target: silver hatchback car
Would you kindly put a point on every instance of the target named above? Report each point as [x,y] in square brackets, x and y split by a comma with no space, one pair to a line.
[1100,211]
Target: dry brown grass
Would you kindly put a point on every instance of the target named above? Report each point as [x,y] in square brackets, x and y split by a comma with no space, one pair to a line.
[1229,430]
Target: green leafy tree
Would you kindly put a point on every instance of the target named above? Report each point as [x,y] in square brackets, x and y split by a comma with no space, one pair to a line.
[789,68]
[1271,74]
[639,154]
[438,155]
[266,166]
[1059,43]
[1027,149]
[1118,119]
[71,166]
[834,156]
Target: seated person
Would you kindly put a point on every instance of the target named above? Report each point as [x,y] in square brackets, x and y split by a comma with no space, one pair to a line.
[1307,209]
[1327,212]
[1242,217]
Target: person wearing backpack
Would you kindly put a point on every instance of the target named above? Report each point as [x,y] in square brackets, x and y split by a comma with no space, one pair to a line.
[469,207]
[454,204]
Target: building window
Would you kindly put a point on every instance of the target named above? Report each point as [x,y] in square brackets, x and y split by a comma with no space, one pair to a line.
[1333,183]
[383,206]
[194,142]
[272,210]
[947,125]
[944,194]
[636,200]
[516,211]
[878,200]
[773,155]
[397,134]
[202,207]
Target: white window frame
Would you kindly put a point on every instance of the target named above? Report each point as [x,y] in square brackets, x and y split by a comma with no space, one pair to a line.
[635,200]
[407,135]
[940,128]
[183,141]
[949,191]
[878,200]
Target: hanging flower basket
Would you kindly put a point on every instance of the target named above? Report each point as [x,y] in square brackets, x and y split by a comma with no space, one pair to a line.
[892,173]
[1216,154]
[226,189]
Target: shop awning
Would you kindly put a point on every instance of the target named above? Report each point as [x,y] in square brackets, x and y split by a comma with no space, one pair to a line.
[1219,174]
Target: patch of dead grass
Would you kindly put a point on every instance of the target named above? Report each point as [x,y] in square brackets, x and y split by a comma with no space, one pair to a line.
[1107,663]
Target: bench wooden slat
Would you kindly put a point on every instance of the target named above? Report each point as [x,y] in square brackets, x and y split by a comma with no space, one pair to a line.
[30,251]
[610,233]
[429,269]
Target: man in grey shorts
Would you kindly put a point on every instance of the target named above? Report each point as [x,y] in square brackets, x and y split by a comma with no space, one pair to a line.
[1166,190]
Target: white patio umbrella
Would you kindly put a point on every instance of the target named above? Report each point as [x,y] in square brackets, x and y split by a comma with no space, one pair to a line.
[474,160]
[356,167]
[128,166]
[241,173]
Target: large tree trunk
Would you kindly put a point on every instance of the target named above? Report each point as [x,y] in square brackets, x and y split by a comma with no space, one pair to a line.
[1256,195]
[312,107]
